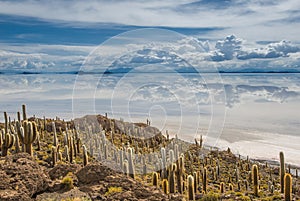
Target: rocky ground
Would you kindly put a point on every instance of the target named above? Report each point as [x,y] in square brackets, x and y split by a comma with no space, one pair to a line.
[38,177]
[23,179]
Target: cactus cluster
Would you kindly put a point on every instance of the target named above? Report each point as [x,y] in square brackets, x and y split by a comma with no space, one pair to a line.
[175,167]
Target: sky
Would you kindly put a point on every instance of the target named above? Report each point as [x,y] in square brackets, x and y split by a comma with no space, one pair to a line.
[59,38]
[239,34]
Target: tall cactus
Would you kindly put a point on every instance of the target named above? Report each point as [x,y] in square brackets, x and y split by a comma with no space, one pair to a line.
[24,112]
[19,116]
[54,155]
[8,142]
[165,187]
[195,175]
[172,178]
[288,181]
[282,171]
[85,156]
[55,135]
[27,135]
[180,173]
[67,153]
[164,162]
[6,122]
[191,188]
[255,179]
[130,163]
[205,180]
[222,187]
[155,179]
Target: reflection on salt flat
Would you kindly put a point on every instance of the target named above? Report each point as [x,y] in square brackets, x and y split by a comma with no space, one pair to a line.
[263,103]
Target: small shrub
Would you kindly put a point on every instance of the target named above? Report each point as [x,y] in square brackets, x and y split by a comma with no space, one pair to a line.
[113,189]
[67,181]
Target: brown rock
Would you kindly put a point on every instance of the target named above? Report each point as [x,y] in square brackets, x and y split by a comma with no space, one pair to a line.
[21,177]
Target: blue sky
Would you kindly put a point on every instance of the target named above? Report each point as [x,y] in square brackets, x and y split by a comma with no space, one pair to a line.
[40,35]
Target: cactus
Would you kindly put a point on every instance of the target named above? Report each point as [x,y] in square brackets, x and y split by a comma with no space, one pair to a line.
[59,156]
[17,144]
[24,112]
[27,135]
[105,152]
[125,167]
[204,180]
[171,154]
[19,116]
[155,179]
[230,187]
[237,173]
[54,155]
[222,187]
[85,156]
[164,162]
[176,152]
[246,185]
[165,185]
[38,142]
[255,179]
[54,134]
[8,142]
[282,171]
[191,190]
[6,122]
[172,178]
[121,157]
[288,181]
[130,163]
[144,169]
[71,154]
[195,175]
[180,173]
[201,141]
[67,153]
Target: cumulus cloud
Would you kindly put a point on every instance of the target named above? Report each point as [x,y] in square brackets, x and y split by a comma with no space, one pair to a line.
[233,48]
[42,58]
[227,49]
[273,50]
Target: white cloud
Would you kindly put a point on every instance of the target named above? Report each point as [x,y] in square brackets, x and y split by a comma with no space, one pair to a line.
[38,58]
[250,19]
[233,48]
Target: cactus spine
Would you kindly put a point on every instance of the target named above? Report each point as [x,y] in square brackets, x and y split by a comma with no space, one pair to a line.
[191,190]
[282,171]
[288,181]
[255,179]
